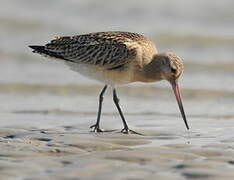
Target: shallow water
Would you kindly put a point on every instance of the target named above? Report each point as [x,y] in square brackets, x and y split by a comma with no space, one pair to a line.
[47,109]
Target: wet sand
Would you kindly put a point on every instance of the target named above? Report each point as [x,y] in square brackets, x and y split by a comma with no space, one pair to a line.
[53,141]
[71,152]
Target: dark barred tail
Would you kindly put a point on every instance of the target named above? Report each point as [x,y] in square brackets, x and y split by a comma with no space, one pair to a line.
[38,49]
[44,52]
[41,50]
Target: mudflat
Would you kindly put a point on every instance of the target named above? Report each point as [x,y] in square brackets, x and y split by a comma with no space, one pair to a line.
[53,141]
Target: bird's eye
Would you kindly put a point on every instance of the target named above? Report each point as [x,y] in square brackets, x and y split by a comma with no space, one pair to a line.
[173,67]
[173,70]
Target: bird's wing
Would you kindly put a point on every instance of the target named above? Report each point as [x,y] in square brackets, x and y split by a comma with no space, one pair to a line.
[94,49]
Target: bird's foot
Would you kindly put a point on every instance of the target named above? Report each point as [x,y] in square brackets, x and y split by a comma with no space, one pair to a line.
[95,128]
[129,131]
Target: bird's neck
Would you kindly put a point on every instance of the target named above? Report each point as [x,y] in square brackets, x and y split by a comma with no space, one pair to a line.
[150,72]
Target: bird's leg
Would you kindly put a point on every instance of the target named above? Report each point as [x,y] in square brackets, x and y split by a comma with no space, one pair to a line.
[116,101]
[125,130]
[96,127]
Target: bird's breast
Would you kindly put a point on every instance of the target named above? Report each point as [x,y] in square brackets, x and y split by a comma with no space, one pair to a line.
[111,77]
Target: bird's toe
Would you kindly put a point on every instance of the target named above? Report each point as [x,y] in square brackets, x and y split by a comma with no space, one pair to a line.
[129,131]
[95,128]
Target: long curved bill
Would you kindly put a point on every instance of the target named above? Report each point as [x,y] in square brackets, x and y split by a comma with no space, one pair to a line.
[176,90]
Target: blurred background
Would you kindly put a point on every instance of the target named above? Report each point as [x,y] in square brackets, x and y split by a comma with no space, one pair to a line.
[201,32]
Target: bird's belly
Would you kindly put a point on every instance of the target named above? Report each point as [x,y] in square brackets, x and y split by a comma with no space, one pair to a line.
[110,77]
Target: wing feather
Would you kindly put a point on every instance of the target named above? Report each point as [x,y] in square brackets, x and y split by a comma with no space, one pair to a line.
[93,49]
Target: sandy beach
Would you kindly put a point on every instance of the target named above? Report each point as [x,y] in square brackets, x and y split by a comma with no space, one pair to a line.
[46,109]
[70,152]
[57,144]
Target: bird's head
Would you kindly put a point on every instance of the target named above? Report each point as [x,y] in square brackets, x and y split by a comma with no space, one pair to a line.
[171,65]
[167,66]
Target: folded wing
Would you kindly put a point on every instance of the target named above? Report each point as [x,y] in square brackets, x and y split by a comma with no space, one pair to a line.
[93,49]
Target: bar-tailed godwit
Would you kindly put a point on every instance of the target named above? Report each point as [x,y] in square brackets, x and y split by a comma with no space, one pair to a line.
[116,58]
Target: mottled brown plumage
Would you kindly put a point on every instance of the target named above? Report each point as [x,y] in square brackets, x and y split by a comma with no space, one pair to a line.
[105,49]
[116,58]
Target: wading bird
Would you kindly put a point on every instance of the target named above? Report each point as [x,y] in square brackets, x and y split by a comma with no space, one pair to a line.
[116,58]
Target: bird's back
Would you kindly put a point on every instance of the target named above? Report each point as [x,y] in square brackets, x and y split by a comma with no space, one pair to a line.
[105,49]
[111,57]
